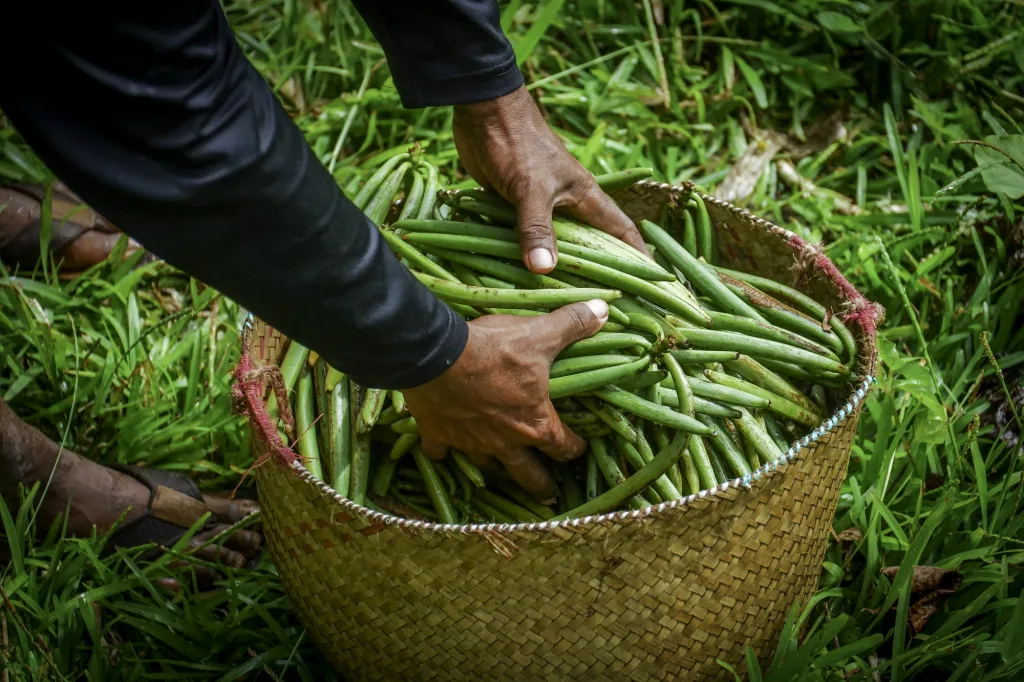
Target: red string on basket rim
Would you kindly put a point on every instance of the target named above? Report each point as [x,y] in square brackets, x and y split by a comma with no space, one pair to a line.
[869,315]
[248,392]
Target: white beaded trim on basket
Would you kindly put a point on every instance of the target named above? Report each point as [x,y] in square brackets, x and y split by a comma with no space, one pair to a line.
[748,481]
[747,215]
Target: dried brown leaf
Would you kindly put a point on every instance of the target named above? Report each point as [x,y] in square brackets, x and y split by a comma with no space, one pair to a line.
[929,587]
[658,9]
[849,535]
[924,608]
[739,184]
[823,133]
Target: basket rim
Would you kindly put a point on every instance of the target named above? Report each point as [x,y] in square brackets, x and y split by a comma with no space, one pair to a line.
[749,484]
[863,309]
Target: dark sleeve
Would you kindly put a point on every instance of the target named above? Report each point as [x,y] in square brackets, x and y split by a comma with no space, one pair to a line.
[151,113]
[443,51]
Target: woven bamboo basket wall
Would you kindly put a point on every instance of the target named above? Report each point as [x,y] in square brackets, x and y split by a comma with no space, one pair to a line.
[656,594]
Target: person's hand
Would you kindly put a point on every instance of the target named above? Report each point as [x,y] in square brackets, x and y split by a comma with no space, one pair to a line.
[508,148]
[493,402]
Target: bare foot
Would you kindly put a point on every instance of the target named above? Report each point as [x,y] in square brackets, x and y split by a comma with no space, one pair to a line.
[97,497]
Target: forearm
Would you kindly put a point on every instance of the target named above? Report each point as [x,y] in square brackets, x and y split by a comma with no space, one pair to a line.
[193,156]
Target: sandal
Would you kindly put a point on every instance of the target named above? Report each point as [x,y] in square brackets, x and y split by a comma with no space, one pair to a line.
[71,220]
[175,504]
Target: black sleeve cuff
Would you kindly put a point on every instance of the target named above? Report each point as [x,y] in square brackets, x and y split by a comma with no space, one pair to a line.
[434,363]
[443,52]
[417,92]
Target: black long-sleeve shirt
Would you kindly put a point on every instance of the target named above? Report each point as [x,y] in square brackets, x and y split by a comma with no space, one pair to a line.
[150,112]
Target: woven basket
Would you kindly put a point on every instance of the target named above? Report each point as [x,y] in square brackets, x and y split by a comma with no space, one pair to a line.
[655,594]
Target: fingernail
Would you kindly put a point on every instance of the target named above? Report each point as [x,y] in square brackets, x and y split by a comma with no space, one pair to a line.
[541,259]
[550,501]
[599,308]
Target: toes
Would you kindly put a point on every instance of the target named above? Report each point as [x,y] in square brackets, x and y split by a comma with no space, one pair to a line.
[170,584]
[89,249]
[205,536]
[230,510]
[205,578]
[247,542]
[209,547]
[218,554]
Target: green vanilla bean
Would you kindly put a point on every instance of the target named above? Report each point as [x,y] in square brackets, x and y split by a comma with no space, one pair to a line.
[778,404]
[601,274]
[524,499]
[610,182]
[379,206]
[697,453]
[567,366]
[705,232]
[305,414]
[468,468]
[436,490]
[414,198]
[628,489]
[426,208]
[708,339]
[744,325]
[756,373]
[697,273]
[456,292]
[613,418]
[642,268]
[727,450]
[342,427]
[604,342]
[377,179]
[660,414]
[711,391]
[661,485]
[758,437]
[814,310]
[588,381]
[703,357]
[360,452]
[612,473]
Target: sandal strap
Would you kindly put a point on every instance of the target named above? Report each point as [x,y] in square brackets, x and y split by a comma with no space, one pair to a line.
[175,504]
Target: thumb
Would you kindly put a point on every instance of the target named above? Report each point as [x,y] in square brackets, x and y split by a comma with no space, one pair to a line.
[569,324]
[536,235]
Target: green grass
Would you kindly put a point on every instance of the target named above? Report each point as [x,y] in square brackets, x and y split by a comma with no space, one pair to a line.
[922,216]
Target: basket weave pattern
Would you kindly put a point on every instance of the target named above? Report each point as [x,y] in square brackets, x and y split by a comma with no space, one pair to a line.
[655,594]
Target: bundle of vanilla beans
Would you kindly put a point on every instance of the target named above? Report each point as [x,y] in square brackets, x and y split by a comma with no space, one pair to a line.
[701,375]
